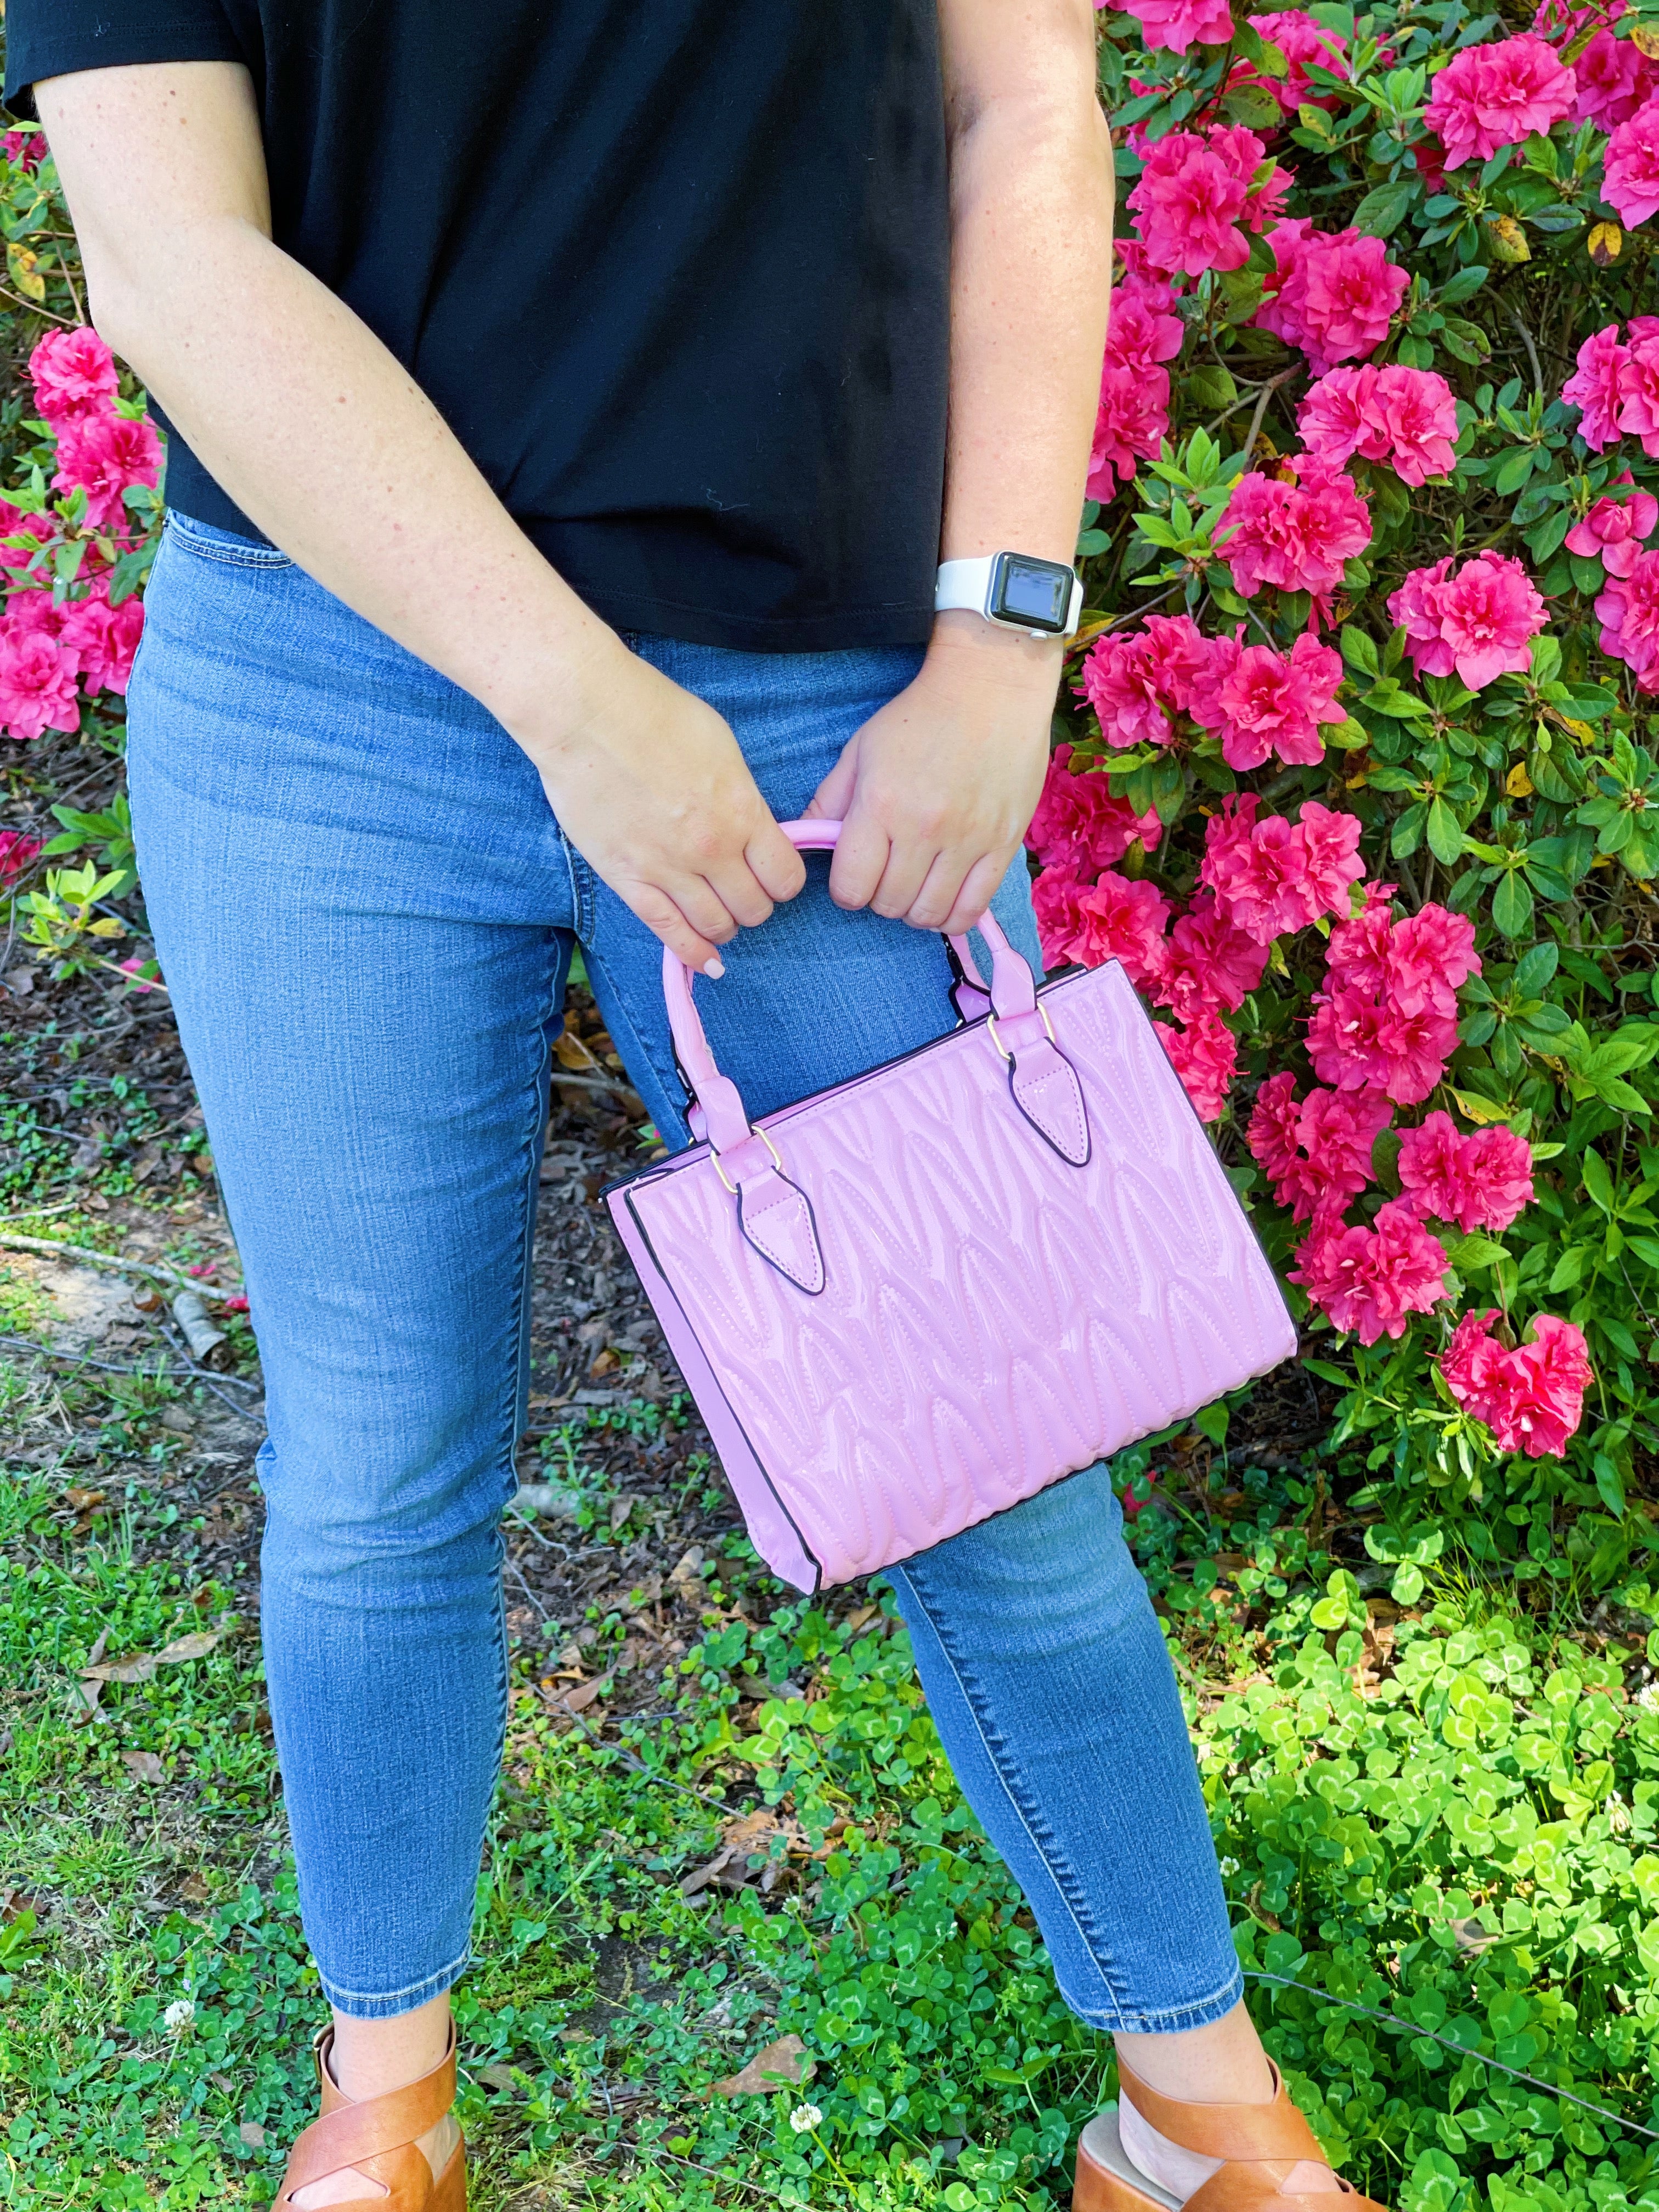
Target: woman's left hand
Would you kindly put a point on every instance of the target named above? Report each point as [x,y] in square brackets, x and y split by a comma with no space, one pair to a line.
[938,786]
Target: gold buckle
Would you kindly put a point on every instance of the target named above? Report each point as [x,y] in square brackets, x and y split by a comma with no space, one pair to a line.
[777,1159]
[991,1024]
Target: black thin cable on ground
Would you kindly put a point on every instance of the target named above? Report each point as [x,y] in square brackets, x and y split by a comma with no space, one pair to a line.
[1410,2028]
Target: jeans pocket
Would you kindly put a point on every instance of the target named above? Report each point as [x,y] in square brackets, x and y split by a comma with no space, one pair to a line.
[209,543]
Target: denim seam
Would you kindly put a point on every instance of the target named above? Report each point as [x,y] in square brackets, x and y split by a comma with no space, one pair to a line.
[255,557]
[1040,1837]
[407,1998]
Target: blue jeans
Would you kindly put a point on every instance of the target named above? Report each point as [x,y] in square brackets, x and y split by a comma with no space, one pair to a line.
[365,912]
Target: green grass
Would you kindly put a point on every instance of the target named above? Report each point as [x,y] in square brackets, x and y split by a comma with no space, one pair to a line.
[1458,1831]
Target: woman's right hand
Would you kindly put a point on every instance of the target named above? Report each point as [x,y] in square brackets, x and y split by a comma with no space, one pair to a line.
[649,786]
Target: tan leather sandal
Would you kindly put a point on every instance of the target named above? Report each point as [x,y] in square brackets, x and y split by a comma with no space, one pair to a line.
[1261,2143]
[378,2139]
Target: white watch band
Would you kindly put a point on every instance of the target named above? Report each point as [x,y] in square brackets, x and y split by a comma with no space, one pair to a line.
[967,584]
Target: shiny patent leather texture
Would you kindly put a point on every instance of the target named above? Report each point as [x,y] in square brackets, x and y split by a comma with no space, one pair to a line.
[910,1302]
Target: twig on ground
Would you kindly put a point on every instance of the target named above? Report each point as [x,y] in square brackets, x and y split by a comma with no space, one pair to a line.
[1516,317]
[157,1272]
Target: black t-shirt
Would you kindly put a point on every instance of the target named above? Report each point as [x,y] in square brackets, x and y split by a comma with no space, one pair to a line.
[674,270]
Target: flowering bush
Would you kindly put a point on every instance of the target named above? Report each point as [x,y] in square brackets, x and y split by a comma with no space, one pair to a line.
[1358,769]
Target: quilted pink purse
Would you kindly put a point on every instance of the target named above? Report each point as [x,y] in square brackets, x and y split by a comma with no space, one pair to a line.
[911,1301]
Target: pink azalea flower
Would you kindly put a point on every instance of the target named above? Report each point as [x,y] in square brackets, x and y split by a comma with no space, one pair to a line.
[1187,206]
[1334,295]
[1272,876]
[1615,79]
[1131,423]
[104,455]
[1630,180]
[1078,824]
[1209,965]
[1142,332]
[1628,612]
[1055,894]
[1137,680]
[27,147]
[103,640]
[1386,1016]
[18,851]
[1262,702]
[1317,1155]
[1420,421]
[1371,1281]
[1639,385]
[1479,621]
[1304,44]
[1297,536]
[74,375]
[1532,1398]
[37,682]
[1173,26]
[1204,1055]
[1495,95]
[1614,532]
[1598,388]
[1121,919]
[1480,1182]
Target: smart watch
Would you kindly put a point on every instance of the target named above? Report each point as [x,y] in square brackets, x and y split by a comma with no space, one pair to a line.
[1016,591]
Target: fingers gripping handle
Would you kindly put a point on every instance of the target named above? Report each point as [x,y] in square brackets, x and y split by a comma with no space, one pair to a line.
[1013,993]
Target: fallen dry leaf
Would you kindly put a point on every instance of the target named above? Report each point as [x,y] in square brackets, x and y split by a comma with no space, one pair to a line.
[252,2135]
[498,2077]
[740,1840]
[194,1890]
[143,1765]
[1472,1938]
[139,1666]
[782,2065]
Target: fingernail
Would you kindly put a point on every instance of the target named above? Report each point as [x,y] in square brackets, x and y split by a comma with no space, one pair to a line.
[715,968]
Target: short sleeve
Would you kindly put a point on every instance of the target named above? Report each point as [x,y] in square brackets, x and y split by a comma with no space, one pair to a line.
[55,38]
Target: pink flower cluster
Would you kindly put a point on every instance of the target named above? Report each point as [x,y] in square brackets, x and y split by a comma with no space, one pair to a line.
[1479,621]
[1628,612]
[1198,196]
[1387,1017]
[1532,1398]
[1616,389]
[18,851]
[1304,44]
[1138,681]
[1334,293]
[1480,1182]
[1629,182]
[1273,876]
[1372,1280]
[1405,416]
[1615,78]
[1316,1152]
[1133,414]
[1203,1054]
[1263,701]
[1260,701]
[1080,826]
[1615,530]
[48,651]
[1116,918]
[1298,533]
[1497,94]
[1172,26]
[27,147]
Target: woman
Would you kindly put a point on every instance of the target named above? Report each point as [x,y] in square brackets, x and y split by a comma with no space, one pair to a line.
[560,462]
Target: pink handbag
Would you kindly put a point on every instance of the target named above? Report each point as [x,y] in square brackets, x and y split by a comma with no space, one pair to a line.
[911,1301]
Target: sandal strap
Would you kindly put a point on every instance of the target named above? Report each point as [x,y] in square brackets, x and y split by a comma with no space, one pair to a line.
[1253,2133]
[353,2133]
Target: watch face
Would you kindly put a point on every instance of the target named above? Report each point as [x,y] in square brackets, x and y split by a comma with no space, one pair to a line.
[1038,594]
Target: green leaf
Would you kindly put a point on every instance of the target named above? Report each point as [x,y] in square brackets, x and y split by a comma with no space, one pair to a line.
[1596,1180]
[1536,968]
[1610,1486]
[1211,385]
[1408,1585]
[1385,207]
[1445,832]
[1513,472]
[1511,903]
[1360,649]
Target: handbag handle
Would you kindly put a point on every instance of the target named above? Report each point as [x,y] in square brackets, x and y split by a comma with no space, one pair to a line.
[1012,994]
[774,1215]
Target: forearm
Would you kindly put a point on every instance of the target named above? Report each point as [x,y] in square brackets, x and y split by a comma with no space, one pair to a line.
[324,439]
[1031,243]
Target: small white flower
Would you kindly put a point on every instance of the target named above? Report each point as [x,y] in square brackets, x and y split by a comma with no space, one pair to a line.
[805,2118]
[1229,1866]
[178,2015]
